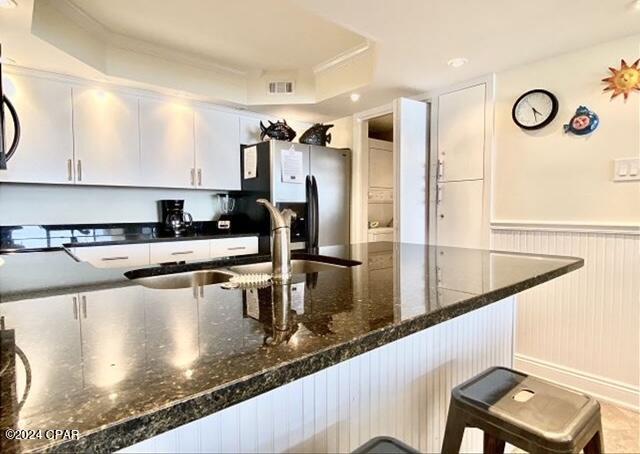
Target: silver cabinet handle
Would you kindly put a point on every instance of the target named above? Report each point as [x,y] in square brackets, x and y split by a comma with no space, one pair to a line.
[79,170]
[439,191]
[193,177]
[75,308]
[182,253]
[69,170]
[236,248]
[199,177]
[84,306]
[110,259]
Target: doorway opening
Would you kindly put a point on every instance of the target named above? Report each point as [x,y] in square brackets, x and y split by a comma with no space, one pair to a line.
[380,186]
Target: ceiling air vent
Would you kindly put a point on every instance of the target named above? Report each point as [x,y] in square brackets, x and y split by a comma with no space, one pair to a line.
[280,88]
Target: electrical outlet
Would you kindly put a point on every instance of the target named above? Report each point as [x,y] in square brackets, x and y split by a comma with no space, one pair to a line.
[627,169]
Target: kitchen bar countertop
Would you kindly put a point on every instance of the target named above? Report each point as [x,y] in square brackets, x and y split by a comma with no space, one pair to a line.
[126,362]
[37,238]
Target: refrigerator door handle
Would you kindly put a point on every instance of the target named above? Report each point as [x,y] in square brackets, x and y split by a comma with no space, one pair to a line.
[309,197]
[316,212]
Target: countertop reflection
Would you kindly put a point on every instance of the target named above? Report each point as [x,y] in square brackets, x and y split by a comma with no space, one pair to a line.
[124,363]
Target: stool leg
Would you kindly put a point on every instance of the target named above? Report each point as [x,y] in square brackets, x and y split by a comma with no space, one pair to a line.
[454,431]
[595,445]
[492,445]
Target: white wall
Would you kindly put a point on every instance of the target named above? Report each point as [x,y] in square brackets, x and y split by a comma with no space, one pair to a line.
[342,132]
[552,176]
[554,194]
[50,204]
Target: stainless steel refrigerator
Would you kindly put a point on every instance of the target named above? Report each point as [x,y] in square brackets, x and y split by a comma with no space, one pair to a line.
[312,180]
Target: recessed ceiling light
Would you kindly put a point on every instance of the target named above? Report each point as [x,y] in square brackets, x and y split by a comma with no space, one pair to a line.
[457,62]
[8,3]
[636,5]
[355,97]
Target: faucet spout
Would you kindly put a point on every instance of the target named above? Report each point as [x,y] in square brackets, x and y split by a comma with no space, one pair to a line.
[280,242]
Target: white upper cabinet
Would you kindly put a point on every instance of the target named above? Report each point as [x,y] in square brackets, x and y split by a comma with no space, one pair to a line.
[217,146]
[461,134]
[167,144]
[106,134]
[45,152]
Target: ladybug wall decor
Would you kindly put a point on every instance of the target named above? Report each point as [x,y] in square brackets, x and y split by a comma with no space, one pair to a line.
[583,122]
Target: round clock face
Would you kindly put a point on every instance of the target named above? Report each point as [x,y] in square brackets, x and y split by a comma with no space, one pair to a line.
[535,109]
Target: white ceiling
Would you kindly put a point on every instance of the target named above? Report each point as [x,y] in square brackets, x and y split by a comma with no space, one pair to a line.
[242,34]
[413,40]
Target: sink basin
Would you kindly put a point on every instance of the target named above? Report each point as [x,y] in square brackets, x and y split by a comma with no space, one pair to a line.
[298,266]
[221,275]
[185,280]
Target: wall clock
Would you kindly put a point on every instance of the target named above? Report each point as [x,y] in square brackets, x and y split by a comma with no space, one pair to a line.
[535,109]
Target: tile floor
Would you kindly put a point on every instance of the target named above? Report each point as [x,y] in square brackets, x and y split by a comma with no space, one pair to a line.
[621,429]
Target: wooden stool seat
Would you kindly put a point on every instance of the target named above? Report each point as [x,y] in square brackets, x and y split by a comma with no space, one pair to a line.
[532,414]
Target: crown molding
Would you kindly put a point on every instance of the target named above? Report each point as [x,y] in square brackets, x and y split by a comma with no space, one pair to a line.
[342,57]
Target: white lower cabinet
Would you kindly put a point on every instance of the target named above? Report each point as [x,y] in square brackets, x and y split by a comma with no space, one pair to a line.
[179,251]
[131,255]
[119,256]
[227,247]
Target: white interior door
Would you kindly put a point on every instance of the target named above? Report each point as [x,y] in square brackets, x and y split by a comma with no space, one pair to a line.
[45,152]
[459,214]
[410,170]
[106,137]
[461,129]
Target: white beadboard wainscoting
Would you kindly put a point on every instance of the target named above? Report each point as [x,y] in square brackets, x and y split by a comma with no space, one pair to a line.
[401,389]
[582,329]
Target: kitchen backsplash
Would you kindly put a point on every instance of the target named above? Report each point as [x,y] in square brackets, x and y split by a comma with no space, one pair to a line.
[49,204]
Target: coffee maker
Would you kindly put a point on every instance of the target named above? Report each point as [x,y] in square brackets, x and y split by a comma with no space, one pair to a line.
[175,221]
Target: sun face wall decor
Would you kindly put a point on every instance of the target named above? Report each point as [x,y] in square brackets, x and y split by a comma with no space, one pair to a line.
[624,80]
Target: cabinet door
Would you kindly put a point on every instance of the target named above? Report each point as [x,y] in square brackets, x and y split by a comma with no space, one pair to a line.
[179,251]
[48,332]
[461,128]
[217,149]
[459,214]
[117,256]
[229,247]
[45,152]
[166,144]
[113,337]
[106,134]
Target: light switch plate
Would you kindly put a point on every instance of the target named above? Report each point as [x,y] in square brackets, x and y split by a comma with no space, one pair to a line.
[626,169]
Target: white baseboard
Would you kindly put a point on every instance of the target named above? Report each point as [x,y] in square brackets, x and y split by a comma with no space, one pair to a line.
[603,389]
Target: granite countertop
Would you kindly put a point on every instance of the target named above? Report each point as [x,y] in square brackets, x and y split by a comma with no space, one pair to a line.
[126,362]
[37,238]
